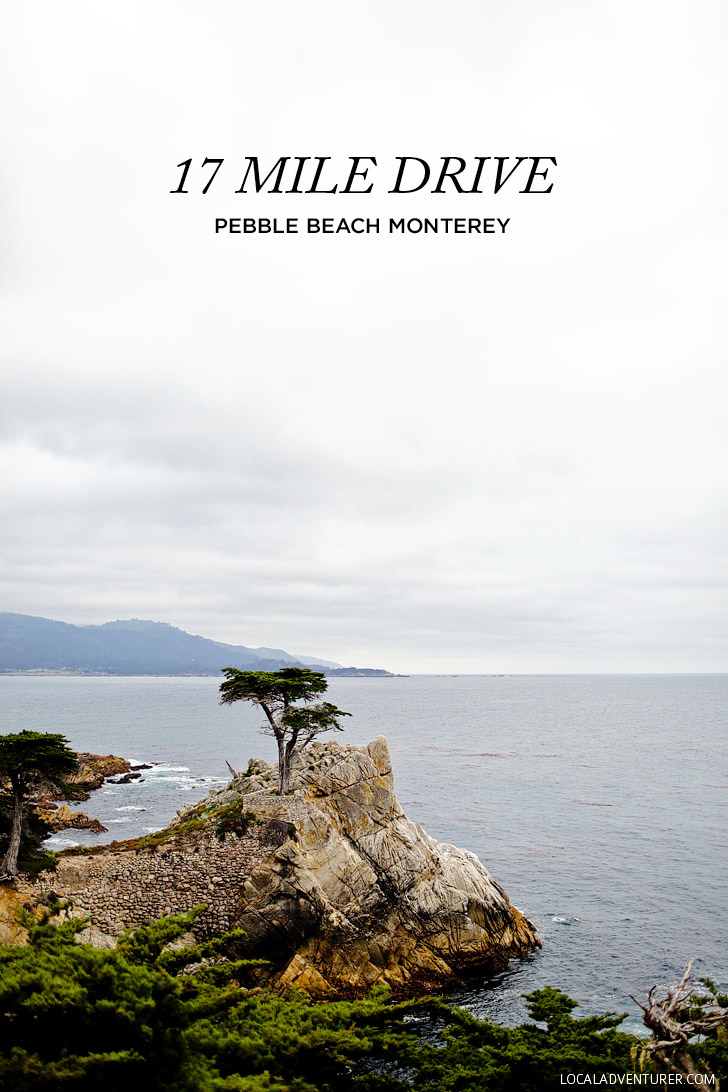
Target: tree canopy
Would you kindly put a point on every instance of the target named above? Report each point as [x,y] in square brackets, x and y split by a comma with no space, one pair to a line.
[32,756]
[280,694]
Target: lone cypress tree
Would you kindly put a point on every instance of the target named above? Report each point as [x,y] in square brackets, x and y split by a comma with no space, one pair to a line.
[25,759]
[276,692]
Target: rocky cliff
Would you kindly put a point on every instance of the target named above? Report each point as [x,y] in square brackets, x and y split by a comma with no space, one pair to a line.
[333,884]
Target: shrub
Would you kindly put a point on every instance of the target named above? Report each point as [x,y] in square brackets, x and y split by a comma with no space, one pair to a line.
[79,1018]
[233,819]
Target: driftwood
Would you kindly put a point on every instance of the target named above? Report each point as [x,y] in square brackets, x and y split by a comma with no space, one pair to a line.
[232,771]
[673,1022]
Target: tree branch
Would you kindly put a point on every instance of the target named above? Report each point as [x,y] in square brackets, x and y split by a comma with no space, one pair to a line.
[673,1022]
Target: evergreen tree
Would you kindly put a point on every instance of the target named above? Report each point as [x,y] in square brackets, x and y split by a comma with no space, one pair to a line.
[277,693]
[27,758]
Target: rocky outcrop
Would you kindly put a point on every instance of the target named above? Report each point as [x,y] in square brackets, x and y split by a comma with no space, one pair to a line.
[360,894]
[91,773]
[333,885]
[62,818]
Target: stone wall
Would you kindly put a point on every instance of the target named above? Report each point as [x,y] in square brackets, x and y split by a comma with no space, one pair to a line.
[122,887]
[119,889]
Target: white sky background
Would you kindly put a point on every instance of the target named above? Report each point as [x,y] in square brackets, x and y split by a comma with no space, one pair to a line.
[441,453]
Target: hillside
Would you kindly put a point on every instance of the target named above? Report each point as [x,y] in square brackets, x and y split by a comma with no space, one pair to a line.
[132,647]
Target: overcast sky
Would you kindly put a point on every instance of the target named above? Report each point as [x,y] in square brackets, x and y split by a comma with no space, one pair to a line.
[444,453]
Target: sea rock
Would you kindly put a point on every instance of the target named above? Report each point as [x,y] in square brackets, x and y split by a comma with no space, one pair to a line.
[62,818]
[359,893]
[92,772]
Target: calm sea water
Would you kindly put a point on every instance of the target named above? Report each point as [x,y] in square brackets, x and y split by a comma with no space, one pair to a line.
[598,802]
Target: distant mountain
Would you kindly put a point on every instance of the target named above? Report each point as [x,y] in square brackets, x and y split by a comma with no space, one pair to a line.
[368,672]
[132,647]
[278,654]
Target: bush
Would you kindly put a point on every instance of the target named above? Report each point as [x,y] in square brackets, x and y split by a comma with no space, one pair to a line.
[87,1019]
[233,819]
[44,862]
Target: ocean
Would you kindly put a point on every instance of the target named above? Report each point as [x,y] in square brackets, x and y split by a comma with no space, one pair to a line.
[597,801]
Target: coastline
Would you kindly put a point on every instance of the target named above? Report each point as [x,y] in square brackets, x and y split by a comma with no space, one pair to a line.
[333,886]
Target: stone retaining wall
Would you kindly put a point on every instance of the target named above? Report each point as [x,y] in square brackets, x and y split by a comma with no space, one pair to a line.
[123,887]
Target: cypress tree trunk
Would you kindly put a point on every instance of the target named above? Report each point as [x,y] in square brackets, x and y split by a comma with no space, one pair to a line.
[284,768]
[10,864]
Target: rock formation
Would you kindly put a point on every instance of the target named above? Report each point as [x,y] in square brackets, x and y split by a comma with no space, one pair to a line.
[91,773]
[361,894]
[62,818]
[333,884]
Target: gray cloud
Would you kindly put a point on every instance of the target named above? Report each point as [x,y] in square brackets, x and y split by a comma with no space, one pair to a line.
[429,453]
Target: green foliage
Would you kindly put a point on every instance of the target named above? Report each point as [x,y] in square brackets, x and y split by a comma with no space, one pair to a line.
[204,818]
[713,1052]
[76,1017]
[33,833]
[550,1006]
[26,759]
[478,1054]
[73,1017]
[276,692]
[86,1018]
[43,862]
[233,819]
[314,719]
[30,756]
[282,687]
[195,821]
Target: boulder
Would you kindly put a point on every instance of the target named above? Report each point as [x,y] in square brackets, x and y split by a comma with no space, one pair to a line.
[92,772]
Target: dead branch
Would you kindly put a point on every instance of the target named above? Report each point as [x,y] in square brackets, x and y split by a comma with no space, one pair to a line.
[672,1025]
